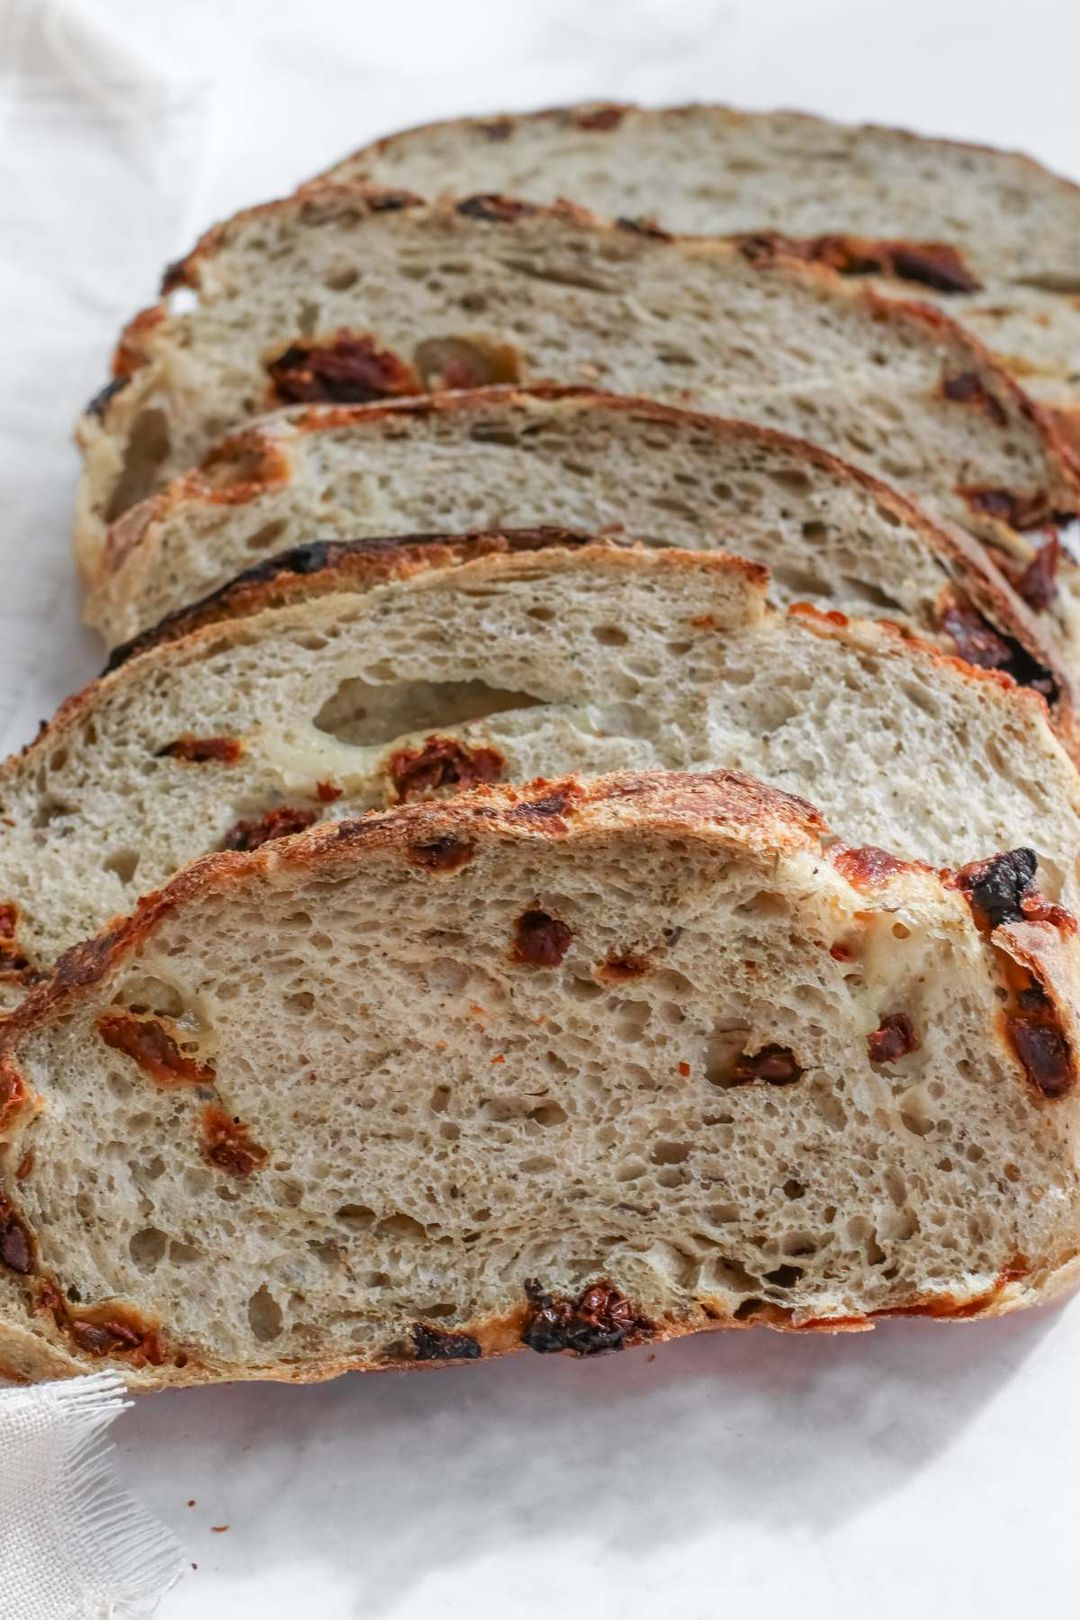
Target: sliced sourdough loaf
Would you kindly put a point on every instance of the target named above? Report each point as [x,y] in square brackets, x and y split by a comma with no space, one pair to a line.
[345,295]
[830,535]
[991,236]
[404,671]
[567,1069]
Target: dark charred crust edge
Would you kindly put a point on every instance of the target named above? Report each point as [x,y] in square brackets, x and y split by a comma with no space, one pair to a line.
[386,555]
[99,405]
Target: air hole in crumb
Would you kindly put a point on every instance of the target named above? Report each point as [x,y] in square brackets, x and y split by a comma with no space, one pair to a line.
[340,277]
[728,1273]
[784,1276]
[181,1253]
[794,1189]
[266,538]
[124,862]
[672,1176]
[402,1226]
[798,1245]
[549,1113]
[439,1099]
[357,1217]
[362,714]
[724,1047]
[264,1315]
[147,447]
[610,635]
[670,1152]
[147,1247]
[631,1170]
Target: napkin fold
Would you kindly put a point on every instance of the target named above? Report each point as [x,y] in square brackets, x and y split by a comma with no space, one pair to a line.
[73,1544]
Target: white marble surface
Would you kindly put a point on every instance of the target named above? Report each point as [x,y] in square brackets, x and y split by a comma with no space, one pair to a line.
[915,1470]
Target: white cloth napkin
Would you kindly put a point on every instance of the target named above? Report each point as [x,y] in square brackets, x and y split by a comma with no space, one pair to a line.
[73,1545]
[100,162]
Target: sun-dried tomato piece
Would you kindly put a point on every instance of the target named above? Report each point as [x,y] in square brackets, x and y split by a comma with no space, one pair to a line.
[928,264]
[442,762]
[893,1039]
[1020,512]
[1038,583]
[996,887]
[600,1319]
[540,941]
[433,1344]
[1045,1054]
[154,1048]
[117,1332]
[227,1145]
[280,823]
[348,369]
[203,750]
[967,388]
[975,640]
[1037,908]
[16,1246]
[932,264]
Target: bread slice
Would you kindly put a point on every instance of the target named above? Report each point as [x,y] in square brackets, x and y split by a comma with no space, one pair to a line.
[344,294]
[567,1069]
[990,236]
[401,671]
[714,170]
[830,535]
